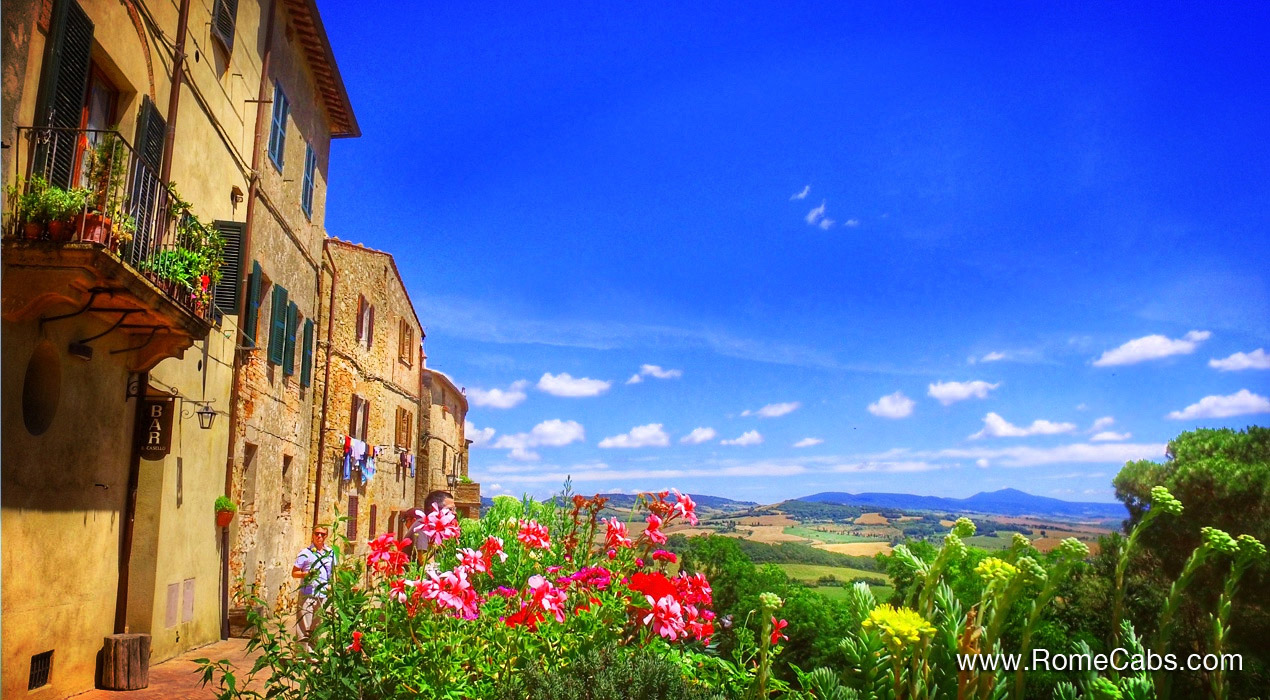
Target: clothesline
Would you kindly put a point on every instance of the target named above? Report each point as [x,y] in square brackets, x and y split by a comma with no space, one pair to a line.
[361,455]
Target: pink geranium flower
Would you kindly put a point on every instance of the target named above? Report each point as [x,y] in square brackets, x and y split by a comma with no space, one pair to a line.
[653,531]
[387,555]
[546,596]
[438,526]
[616,535]
[473,560]
[533,535]
[452,590]
[665,617]
[663,555]
[685,507]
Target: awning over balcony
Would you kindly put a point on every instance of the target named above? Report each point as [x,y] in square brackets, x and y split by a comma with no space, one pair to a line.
[140,322]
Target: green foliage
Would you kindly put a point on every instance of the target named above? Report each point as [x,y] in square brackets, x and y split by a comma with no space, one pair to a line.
[223,503]
[608,673]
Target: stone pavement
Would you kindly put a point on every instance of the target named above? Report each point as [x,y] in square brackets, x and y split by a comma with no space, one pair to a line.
[176,679]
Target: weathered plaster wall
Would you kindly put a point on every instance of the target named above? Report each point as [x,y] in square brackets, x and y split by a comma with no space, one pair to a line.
[63,497]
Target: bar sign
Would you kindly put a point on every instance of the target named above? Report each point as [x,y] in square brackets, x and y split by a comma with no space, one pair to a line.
[154,434]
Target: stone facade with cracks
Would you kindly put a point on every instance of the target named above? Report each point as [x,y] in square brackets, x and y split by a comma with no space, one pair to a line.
[375,363]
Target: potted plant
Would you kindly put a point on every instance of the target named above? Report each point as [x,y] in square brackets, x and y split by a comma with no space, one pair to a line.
[125,230]
[107,165]
[225,510]
[63,207]
[30,208]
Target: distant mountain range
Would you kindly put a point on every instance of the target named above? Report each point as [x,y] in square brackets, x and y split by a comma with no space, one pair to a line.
[1003,502]
[626,500]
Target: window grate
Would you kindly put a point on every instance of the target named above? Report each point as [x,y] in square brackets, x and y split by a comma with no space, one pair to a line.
[41,667]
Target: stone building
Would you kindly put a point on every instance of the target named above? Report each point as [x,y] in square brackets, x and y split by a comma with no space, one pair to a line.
[107,507]
[445,448]
[303,107]
[369,390]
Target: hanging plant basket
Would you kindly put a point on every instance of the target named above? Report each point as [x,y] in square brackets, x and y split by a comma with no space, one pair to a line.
[223,518]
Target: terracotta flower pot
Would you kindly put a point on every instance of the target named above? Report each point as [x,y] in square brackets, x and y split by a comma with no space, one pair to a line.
[95,228]
[223,517]
[61,231]
[33,230]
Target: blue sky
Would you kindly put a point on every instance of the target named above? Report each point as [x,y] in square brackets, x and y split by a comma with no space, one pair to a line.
[872,247]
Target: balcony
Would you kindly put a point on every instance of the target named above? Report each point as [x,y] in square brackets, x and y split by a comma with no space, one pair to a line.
[91,229]
[467,499]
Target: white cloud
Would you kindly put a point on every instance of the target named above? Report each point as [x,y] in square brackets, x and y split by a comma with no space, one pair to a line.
[815,214]
[982,463]
[801,195]
[650,435]
[564,385]
[774,410]
[750,437]
[698,436]
[1257,359]
[952,392]
[890,467]
[479,436]
[1105,453]
[996,426]
[825,224]
[1240,403]
[808,442]
[851,223]
[549,433]
[1102,424]
[655,372]
[1151,347]
[895,405]
[993,357]
[585,472]
[499,398]
[1110,436]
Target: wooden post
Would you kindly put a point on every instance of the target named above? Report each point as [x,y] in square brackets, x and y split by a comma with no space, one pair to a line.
[125,663]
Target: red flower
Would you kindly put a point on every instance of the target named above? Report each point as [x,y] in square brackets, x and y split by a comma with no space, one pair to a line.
[663,555]
[527,616]
[694,590]
[777,626]
[655,585]
[387,555]
[493,547]
[616,536]
[357,642]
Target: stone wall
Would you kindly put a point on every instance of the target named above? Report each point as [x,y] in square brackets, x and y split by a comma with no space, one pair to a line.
[383,368]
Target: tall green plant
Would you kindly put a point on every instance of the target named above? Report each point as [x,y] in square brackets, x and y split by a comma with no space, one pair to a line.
[1162,502]
[1250,552]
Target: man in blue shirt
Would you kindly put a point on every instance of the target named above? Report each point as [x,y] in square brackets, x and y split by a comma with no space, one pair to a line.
[313,565]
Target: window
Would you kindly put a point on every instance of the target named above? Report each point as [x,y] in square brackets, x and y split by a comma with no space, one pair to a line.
[278,326]
[365,322]
[278,126]
[374,517]
[406,343]
[306,355]
[251,310]
[288,348]
[224,16]
[359,418]
[306,192]
[352,520]
[405,428]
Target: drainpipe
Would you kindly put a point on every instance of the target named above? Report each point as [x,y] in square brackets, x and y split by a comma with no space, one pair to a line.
[174,96]
[130,507]
[326,381]
[262,98]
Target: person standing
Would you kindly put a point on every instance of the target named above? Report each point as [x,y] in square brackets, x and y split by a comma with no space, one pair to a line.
[313,565]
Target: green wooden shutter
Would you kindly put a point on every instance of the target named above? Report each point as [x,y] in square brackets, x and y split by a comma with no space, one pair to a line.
[288,351]
[306,354]
[226,293]
[278,324]
[251,308]
[60,101]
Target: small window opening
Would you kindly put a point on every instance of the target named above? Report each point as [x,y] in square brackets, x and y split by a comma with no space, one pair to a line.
[41,668]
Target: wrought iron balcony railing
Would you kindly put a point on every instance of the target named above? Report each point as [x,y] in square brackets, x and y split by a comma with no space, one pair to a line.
[92,186]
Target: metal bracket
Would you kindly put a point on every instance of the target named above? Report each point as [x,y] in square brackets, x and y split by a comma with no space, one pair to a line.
[123,316]
[154,330]
[91,298]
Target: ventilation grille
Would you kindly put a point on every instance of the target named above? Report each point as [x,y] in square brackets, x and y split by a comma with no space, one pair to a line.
[41,666]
